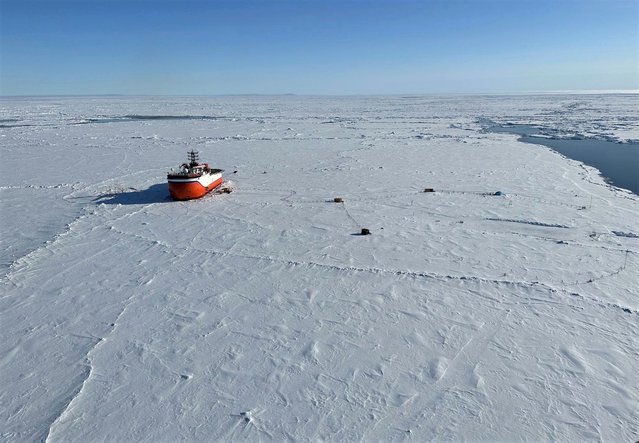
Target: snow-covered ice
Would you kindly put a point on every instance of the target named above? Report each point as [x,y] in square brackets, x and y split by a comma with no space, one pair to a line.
[261,314]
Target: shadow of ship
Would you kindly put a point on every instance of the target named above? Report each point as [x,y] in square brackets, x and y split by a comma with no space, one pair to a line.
[157,193]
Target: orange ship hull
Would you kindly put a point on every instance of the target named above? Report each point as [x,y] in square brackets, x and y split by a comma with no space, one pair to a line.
[191,190]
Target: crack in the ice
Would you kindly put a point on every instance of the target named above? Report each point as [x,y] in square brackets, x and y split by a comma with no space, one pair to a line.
[528,222]
[74,395]
[403,273]
[77,393]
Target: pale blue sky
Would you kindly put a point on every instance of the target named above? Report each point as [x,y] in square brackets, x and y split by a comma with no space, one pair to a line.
[316,47]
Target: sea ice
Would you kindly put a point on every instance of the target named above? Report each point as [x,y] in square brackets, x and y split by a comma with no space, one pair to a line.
[261,315]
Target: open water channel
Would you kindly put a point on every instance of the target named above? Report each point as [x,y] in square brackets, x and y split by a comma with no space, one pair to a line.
[617,162]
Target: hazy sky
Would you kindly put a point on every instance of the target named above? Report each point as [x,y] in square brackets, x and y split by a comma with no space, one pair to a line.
[316,47]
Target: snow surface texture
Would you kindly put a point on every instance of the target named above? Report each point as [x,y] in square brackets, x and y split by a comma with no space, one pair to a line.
[261,314]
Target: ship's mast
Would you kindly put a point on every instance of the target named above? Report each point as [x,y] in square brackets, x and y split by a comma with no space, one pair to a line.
[194,158]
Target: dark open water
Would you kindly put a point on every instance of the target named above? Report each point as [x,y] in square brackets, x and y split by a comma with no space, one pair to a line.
[617,162]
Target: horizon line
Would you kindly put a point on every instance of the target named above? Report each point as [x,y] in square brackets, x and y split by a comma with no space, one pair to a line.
[423,94]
